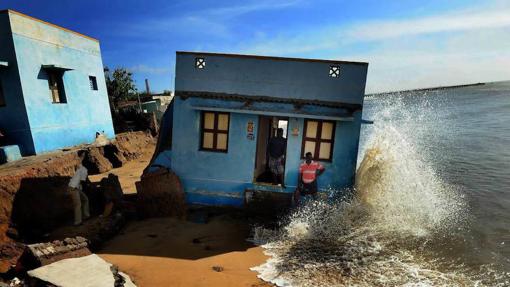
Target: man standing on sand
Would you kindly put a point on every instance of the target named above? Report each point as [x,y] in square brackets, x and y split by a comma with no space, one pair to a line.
[307,178]
[276,148]
[80,199]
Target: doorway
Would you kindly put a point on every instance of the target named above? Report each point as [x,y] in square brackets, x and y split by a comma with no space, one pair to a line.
[268,127]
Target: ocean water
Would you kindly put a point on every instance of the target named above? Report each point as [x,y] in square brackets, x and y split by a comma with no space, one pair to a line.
[431,205]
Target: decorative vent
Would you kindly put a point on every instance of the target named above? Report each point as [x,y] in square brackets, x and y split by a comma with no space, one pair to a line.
[334,71]
[199,63]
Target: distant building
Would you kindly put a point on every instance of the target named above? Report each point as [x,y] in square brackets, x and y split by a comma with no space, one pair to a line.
[214,134]
[52,86]
[164,98]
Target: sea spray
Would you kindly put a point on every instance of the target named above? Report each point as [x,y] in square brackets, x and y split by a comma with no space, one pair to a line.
[382,235]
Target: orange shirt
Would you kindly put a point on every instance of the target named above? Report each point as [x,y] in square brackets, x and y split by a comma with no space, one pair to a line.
[309,171]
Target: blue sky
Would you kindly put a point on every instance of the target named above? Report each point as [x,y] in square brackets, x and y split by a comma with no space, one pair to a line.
[409,44]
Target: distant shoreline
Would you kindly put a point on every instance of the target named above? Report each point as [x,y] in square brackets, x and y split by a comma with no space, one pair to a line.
[427,89]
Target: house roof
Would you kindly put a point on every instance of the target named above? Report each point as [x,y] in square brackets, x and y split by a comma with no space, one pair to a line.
[47,23]
[271,58]
[249,99]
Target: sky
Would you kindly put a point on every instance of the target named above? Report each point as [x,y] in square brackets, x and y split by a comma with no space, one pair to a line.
[408,44]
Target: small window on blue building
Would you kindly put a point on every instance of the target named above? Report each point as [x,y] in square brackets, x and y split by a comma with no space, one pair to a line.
[199,63]
[334,71]
[93,83]
[56,85]
[2,96]
[214,131]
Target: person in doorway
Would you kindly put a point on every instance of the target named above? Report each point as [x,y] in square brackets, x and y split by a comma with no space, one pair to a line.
[307,178]
[80,199]
[276,149]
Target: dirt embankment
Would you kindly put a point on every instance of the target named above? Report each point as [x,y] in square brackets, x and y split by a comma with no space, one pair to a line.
[33,190]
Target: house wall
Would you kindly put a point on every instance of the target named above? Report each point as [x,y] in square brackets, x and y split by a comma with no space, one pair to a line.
[52,125]
[13,116]
[308,80]
[221,178]
[212,177]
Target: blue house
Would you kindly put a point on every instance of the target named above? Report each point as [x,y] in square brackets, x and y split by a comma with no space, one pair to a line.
[52,86]
[226,107]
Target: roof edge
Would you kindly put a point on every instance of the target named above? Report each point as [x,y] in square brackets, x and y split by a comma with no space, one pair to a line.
[271,58]
[48,23]
[271,99]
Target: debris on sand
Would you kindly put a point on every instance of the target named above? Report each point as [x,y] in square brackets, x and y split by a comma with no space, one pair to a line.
[217,268]
[41,254]
[90,270]
[160,193]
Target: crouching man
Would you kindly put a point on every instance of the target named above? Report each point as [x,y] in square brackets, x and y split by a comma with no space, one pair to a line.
[80,199]
[307,179]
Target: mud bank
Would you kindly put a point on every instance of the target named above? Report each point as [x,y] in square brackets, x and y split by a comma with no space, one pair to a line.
[35,187]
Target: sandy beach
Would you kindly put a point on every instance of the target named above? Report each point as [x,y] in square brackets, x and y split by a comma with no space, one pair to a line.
[170,252]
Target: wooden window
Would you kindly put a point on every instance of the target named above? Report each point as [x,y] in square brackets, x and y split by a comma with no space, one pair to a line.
[56,85]
[93,83]
[318,138]
[214,131]
[2,96]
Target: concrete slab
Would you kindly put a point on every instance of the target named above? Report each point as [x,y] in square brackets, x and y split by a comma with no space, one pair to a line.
[87,271]
[9,153]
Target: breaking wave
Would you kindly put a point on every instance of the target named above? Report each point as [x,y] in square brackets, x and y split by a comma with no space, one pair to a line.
[392,231]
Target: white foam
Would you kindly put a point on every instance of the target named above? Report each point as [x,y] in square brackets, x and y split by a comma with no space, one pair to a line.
[379,237]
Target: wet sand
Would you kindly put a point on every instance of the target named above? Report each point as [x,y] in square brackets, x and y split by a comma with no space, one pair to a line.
[170,252]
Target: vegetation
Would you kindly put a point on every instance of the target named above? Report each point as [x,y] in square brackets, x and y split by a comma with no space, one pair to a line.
[120,85]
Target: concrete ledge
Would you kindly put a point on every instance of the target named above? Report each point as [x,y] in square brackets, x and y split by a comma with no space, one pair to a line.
[9,153]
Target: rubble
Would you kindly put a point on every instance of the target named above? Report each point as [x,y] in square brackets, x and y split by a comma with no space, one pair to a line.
[33,191]
[41,254]
[90,270]
[160,194]
[96,162]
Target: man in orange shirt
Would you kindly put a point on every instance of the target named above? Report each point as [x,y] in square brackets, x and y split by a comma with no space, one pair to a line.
[307,179]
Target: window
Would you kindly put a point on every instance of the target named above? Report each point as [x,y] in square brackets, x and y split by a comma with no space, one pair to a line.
[318,138]
[2,96]
[214,131]
[93,83]
[334,71]
[56,85]
[199,63]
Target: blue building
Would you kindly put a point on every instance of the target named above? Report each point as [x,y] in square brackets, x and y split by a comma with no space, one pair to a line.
[226,107]
[52,86]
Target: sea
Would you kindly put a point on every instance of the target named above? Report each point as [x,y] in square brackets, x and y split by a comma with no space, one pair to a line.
[431,204]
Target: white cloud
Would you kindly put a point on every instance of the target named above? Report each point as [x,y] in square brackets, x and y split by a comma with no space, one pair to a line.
[235,11]
[445,49]
[378,30]
[213,22]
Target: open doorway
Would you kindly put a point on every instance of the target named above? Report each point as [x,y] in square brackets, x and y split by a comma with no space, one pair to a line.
[268,128]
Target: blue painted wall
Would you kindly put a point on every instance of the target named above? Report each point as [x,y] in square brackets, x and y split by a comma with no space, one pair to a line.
[211,172]
[221,178]
[13,116]
[272,77]
[53,126]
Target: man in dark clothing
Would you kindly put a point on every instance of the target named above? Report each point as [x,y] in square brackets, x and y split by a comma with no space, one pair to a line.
[276,149]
